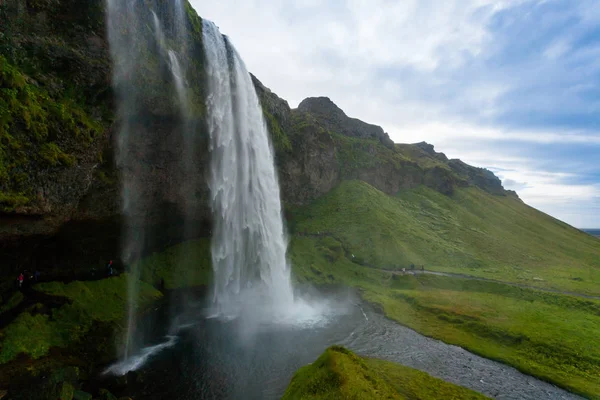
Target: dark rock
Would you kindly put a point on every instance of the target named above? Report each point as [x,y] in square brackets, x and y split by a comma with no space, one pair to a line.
[332,118]
[429,149]
[481,177]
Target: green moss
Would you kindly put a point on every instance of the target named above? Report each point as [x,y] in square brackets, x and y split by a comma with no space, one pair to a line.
[104,178]
[194,19]
[10,201]
[54,156]
[31,121]
[29,334]
[184,265]
[12,302]
[102,301]
[281,142]
[340,374]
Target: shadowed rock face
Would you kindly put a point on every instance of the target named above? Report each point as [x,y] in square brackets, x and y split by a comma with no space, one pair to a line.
[332,118]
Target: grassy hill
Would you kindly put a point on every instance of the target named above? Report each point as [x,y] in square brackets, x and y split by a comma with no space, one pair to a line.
[340,374]
[358,236]
[470,232]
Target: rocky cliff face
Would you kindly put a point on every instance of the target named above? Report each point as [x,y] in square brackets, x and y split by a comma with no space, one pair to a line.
[331,117]
[55,109]
[317,145]
[58,161]
[57,137]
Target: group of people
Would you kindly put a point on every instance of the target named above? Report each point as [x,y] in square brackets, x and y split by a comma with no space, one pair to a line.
[25,275]
[412,268]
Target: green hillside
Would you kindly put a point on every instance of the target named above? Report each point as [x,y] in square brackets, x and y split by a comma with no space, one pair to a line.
[341,374]
[358,236]
[470,232]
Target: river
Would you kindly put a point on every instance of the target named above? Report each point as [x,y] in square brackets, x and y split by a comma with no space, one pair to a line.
[214,359]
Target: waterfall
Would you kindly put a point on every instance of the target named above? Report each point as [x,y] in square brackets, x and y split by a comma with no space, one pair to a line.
[136,36]
[152,62]
[248,243]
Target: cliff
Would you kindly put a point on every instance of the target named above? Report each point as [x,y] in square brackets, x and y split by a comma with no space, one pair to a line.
[58,157]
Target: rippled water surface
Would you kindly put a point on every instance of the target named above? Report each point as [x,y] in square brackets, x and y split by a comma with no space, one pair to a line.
[216,359]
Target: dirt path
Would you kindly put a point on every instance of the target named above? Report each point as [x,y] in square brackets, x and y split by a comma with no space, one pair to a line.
[476,278]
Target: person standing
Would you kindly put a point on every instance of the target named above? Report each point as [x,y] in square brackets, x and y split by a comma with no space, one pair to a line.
[21,278]
[109,268]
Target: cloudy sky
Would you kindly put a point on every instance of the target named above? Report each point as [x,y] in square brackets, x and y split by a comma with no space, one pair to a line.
[510,85]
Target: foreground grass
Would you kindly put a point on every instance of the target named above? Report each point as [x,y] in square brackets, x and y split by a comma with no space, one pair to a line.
[340,374]
[471,232]
[14,300]
[36,331]
[548,335]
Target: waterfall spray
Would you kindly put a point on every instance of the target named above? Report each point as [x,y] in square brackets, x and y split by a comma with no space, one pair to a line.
[135,34]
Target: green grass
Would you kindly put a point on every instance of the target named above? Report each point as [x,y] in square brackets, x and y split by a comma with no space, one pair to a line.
[184,265]
[340,374]
[353,235]
[33,333]
[471,232]
[415,384]
[11,302]
[551,336]
[546,335]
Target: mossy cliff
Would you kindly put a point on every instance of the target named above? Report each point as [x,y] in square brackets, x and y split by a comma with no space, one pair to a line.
[318,146]
[55,104]
[60,197]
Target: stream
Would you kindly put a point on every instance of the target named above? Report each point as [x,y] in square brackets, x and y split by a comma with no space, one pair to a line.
[215,359]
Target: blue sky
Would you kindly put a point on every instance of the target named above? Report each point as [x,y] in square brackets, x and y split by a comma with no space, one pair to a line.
[513,85]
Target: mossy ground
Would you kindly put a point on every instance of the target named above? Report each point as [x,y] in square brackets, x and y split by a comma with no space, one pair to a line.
[37,330]
[187,264]
[14,300]
[349,235]
[340,374]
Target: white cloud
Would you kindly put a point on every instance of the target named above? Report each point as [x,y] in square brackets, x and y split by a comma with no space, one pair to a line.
[557,49]
[293,45]
[418,68]
[439,132]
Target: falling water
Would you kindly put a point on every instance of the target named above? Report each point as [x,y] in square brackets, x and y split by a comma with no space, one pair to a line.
[248,244]
[136,34]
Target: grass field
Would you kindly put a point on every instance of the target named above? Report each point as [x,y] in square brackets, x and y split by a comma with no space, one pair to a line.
[471,232]
[350,235]
[341,374]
